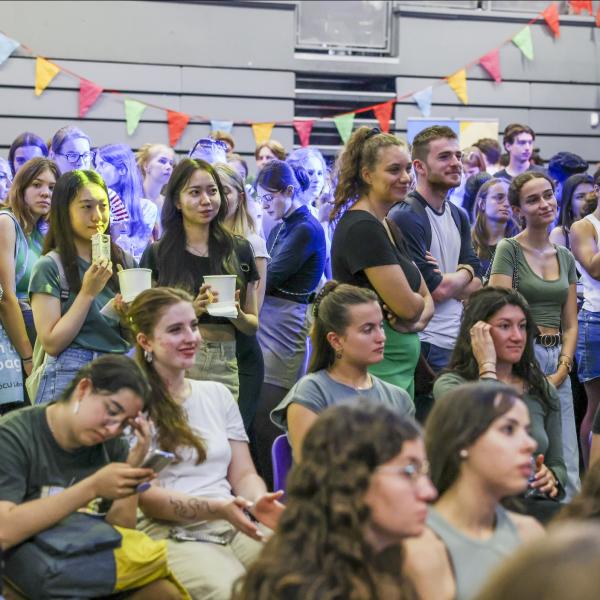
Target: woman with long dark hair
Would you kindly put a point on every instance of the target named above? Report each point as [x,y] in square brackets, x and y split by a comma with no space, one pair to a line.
[196,243]
[360,491]
[68,321]
[479,447]
[545,274]
[347,338]
[495,342]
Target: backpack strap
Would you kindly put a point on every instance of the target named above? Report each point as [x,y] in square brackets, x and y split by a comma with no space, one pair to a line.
[64,284]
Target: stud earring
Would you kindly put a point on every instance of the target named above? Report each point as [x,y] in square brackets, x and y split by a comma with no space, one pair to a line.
[464,453]
[148,356]
[338,354]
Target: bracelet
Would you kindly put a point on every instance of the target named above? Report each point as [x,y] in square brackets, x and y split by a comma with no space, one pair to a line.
[27,359]
[482,373]
[487,362]
[566,363]
[469,269]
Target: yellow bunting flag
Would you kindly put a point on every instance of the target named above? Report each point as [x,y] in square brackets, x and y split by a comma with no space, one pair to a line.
[262,132]
[458,82]
[45,72]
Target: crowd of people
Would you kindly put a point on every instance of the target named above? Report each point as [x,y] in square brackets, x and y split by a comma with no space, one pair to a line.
[420,322]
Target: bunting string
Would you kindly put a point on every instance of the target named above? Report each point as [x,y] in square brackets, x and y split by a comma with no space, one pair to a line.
[90,92]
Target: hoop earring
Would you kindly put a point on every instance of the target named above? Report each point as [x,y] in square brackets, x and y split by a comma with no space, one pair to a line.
[338,354]
[148,356]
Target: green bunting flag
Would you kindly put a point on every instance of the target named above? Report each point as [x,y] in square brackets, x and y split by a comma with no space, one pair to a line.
[133,114]
[524,42]
[344,124]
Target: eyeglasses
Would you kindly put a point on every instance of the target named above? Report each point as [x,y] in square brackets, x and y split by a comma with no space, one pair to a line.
[412,471]
[265,198]
[74,157]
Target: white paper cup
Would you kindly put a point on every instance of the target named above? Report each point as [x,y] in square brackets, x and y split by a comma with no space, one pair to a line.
[224,284]
[134,281]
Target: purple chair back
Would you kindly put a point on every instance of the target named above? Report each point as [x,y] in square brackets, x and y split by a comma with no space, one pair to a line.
[281,456]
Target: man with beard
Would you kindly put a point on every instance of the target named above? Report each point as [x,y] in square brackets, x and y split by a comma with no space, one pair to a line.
[518,142]
[438,237]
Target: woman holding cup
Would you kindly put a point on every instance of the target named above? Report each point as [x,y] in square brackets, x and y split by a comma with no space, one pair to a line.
[69,285]
[196,246]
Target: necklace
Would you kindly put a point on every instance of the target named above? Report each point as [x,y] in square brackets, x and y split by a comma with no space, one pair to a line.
[196,252]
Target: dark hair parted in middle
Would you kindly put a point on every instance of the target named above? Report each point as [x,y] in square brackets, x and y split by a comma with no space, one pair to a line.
[482,306]
[332,313]
[458,419]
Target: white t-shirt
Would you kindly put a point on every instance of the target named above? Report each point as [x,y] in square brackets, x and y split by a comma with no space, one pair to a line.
[258,245]
[443,328]
[215,417]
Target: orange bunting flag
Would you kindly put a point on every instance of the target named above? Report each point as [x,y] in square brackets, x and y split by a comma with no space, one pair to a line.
[491,63]
[552,19]
[262,132]
[89,92]
[45,72]
[303,129]
[580,5]
[177,122]
[458,82]
[383,112]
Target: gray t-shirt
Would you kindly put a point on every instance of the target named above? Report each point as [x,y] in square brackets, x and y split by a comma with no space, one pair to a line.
[443,328]
[318,391]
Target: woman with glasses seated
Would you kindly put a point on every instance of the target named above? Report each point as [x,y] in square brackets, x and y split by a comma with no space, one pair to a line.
[347,337]
[545,274]
[359,493]
[479,448]
[297,249]
[117,165]
[68,289]
[196,244]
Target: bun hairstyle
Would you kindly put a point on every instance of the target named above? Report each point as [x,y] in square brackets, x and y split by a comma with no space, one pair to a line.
[301,176]
[331,310]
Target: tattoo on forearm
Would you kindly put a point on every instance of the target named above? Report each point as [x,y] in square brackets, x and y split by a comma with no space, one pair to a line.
[193,509]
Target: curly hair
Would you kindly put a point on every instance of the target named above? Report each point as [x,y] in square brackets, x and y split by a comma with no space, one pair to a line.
[169,417]
[319,550]
[361,151]
[482,306]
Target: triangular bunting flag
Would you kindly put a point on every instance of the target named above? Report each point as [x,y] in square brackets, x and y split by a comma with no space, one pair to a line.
[423,100]
[524,42]
[383,112]
[580,5]
[7,47]
[491,63]
[88,94]
[225,126]
[262,132]
[344,124]
[458,82]
[45,72]
[303,129]
[177,122]
[552,19]
[133,114]
[598,17]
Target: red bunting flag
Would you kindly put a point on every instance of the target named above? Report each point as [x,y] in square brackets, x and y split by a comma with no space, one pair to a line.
[491,63]
[598,17]
[177,122]
[383,112]
[303,129]
[580,5]
[552,19]
[89,92]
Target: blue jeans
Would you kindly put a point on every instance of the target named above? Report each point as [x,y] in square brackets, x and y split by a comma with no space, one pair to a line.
[548,359]
[60,371]
[437,358]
